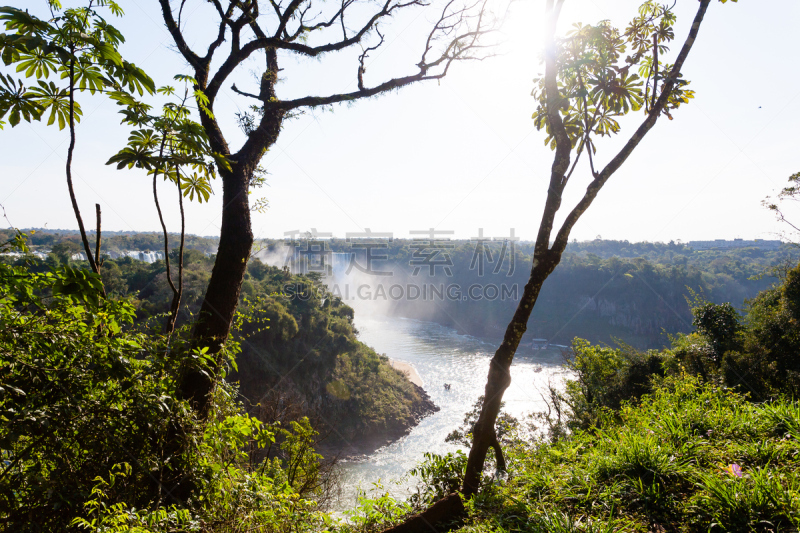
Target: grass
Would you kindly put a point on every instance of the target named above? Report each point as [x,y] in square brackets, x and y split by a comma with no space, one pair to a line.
[662,465]
[690,457]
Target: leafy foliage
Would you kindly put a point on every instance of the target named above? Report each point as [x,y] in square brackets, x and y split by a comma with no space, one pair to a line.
[505,427]
[599,83]
[720,324]
[298,344]
[88,407]
[165,143]
[79,46]
[605,378]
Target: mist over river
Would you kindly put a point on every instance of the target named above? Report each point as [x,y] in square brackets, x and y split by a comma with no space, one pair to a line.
[440,355]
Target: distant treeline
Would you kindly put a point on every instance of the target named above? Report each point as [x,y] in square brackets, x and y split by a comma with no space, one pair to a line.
[601,291]
[115,241]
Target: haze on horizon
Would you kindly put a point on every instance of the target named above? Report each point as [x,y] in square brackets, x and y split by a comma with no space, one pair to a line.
[463,154]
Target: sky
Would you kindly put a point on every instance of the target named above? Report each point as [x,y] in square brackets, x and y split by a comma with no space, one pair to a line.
[459,155]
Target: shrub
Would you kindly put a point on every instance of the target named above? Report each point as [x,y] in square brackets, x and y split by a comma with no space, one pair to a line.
[94,437]
[607,377]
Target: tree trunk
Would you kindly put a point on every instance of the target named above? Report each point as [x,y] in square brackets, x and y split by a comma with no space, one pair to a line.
[176,297]
[170,325]
[213,323]
[439,517]
[70,151]
[484,434]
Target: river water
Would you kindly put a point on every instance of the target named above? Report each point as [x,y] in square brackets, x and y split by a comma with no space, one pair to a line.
[440,355]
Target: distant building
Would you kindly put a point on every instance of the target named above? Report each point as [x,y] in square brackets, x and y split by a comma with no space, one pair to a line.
[722,244]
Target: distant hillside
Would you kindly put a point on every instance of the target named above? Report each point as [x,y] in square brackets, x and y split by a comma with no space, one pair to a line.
[601,291]
[116,241]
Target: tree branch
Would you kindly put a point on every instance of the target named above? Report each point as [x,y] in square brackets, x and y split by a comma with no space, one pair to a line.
[194,60]
[458,49]
[655,70]
[286,16]
[361,68]
[223,25]
[97,240]
[563,143]
[237,91]
[239,54]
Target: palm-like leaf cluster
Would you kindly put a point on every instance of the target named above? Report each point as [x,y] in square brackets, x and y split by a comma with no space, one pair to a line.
[77,45]
[604,74]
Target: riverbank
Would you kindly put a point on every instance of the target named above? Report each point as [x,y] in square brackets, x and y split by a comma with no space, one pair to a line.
[410,372]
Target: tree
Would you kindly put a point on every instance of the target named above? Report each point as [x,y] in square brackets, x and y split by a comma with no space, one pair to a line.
[589,83]
[64,251]
[721,325]
[163,145]
[792,192]
[302,28]
[81,46]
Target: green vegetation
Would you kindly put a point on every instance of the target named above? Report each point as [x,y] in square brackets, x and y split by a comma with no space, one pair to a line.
[309,356]
[690,456]
[299,350]
[117,241]
[668,440]
[601,290]
[110,425]
[672,440]
[90,421]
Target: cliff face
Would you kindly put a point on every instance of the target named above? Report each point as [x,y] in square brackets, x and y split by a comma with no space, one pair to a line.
[634,302]
[300,357]
[356,407]
[647,322]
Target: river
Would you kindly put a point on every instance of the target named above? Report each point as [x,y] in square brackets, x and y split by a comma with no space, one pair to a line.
[440,355]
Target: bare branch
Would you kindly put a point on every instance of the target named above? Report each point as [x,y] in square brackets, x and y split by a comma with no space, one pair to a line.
[394,83]
[361,68]
[237,91]
[782,218]
[180,12]
[286,17]
[239,54]
[225,21]
[188,54]
[302,28]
